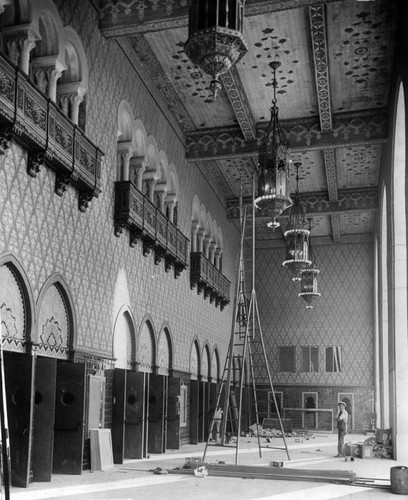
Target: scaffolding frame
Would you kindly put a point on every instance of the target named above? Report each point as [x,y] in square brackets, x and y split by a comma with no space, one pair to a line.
[246,330]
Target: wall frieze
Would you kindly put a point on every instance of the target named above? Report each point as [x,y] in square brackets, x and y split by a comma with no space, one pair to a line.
[304,135]
[349,200]
[129,16]
[319,43]
[236,94]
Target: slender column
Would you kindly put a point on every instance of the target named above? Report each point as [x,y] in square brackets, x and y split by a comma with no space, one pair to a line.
[124,154]
[194,231]
[19,45]
[217,255]
[207,241]
[200,240]
[150,187]
[137,166]
[162,197]
[211,251]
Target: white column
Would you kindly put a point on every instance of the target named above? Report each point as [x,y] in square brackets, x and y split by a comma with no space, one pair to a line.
[194,230]
[200,240]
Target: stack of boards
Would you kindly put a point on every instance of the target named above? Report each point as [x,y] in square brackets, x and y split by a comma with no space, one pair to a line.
[101,449]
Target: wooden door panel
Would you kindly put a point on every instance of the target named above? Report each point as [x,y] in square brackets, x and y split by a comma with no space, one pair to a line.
[134,414]
[118,416]
[156,414]
[173,416]
[194,411]
[69,418]
[18,373]
[44,415]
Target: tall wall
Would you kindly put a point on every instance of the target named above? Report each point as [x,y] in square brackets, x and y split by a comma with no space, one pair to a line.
[342,316]
[47,234]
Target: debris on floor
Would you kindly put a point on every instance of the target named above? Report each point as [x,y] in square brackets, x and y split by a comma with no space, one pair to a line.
[201,471]
[159,470]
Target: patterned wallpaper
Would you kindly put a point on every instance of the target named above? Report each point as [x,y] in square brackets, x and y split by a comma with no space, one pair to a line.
[342,316]
[48,234]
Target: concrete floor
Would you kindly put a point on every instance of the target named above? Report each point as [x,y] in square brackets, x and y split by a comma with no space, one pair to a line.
[135,478]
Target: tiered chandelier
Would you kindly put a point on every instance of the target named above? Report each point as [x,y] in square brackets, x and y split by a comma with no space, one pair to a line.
[308,282]
[215,42]
[297,237]
[273,165]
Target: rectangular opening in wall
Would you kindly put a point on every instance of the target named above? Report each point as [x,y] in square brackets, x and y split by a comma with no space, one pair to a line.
[287,358]
[333,359]
[272,410]
[183,405]
[310,359]
[96,402]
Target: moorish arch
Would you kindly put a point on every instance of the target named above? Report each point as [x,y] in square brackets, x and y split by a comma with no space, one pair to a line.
[164,352]
[215,365]
[195,360]
[146,349]
[124,340]
[16,305]
[56,324]
[205,364]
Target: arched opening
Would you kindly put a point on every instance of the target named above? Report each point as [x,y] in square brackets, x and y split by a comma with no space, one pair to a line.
[399,339]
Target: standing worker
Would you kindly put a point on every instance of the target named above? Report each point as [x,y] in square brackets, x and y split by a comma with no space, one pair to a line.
[217,421]
[342,419]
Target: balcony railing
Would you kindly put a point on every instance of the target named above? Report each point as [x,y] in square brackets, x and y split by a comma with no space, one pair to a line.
[147,223]
[34,121]
[209,279]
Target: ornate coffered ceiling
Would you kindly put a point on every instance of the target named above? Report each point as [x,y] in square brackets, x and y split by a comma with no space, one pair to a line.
[333,89]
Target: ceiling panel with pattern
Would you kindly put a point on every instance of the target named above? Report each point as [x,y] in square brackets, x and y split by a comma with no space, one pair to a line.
[333,90]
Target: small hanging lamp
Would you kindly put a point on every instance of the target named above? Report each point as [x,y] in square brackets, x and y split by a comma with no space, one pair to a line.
[215,41]
[273,165]
[308,282]
[297,237]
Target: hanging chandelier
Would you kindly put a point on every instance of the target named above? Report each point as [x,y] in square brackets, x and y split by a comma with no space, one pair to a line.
[215,41]
[297,237]
[273,165]
[308,282]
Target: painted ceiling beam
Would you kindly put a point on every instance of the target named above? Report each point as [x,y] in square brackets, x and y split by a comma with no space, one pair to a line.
[318,204]
[239,101]
[349,129]
[128,17]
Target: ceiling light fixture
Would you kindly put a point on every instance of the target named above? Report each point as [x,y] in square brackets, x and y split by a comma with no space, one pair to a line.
[273,165]
[215,41]
[297,237]
[308,282]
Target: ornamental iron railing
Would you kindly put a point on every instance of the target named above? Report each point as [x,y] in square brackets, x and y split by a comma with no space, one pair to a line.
[35,122]
[147,223]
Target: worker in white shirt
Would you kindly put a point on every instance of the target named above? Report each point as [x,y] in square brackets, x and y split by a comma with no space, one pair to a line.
[342,419]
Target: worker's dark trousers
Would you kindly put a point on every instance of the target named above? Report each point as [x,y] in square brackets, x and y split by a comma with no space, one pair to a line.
[340,445]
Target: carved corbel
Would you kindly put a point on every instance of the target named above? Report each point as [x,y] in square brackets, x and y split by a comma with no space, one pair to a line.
[61,184]
[5,138]
[147,247]
[167,265]
[35,161]
[133,237]
[159,254]
[84,198]
[118,229]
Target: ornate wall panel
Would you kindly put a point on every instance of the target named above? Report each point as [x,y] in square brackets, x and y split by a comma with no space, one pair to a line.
[146,349]
[342,316]
[48,235]
[53,325]
[13,311]
[124,342]
[194,362]
[164,354]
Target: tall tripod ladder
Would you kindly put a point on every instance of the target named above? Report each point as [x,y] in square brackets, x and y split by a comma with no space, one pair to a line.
[246,335]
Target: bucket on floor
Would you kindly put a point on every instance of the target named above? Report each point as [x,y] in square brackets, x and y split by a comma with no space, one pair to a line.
[399,480]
